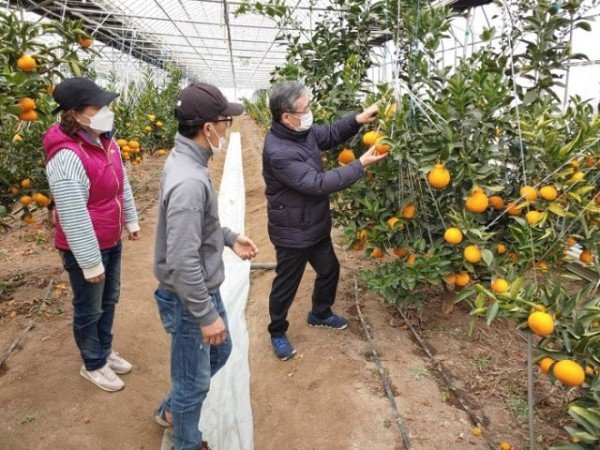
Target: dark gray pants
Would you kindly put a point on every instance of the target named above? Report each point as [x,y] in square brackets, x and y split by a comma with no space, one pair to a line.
[291,263]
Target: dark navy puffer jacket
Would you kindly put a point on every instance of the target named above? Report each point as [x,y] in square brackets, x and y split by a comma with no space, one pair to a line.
[298,187]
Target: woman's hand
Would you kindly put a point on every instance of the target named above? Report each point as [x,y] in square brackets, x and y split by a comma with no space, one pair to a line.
[135,236]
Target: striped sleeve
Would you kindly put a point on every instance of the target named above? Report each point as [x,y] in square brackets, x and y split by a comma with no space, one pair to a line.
[131,216]
[70,187]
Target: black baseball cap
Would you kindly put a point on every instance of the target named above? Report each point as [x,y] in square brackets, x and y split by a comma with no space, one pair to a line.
[77,92]
[202,102]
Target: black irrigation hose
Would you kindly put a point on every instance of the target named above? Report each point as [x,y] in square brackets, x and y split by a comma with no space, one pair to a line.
[475,419]
[384,378]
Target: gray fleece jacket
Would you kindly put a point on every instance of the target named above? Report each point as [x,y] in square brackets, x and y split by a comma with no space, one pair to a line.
[189,238]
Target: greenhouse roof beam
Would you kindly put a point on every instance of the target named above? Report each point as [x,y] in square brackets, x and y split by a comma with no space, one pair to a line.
[237,3]
[105,34]
[190,21]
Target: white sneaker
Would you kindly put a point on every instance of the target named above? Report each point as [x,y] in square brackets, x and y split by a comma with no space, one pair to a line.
[104,378]
[118,364]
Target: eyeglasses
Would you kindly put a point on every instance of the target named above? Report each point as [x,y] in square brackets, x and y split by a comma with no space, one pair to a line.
[228,121]
[306,110]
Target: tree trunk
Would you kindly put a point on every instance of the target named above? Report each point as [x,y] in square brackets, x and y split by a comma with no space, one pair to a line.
[448,299]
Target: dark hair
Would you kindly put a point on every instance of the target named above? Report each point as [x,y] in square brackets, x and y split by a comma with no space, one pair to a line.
[190,131]
[283,96]
[68,123]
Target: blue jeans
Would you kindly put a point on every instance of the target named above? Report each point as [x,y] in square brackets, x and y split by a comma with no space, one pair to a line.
[193,363]
[94,306]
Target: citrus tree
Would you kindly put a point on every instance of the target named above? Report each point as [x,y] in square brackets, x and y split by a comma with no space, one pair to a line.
[34,57]
[490,180]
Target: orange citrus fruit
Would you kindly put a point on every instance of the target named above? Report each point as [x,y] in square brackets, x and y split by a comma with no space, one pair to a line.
[529,193]
[26,63]
[346,156]
[586,257]
[477,202]
[472,254]
[569,372]
[453,236]
[409,211]
[26,200]
[159,124]
[497,202]
[513,209]
[377,253]
[546,363]
[27,104]
[500,286]
[391,222]
[85,42]
[533,217]
[370,138]
[28,116]
[549,193]
[541,323]
[134,145]
[439,177]
[401,252]
[462,279]
[501,249]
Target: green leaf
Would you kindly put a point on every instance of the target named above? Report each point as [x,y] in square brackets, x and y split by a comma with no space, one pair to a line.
[492,312]
[488,257]
[557,209]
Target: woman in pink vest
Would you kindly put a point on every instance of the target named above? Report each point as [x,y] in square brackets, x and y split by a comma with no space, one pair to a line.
[94,202]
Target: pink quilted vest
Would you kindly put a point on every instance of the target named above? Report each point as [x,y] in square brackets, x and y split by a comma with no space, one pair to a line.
[105,171]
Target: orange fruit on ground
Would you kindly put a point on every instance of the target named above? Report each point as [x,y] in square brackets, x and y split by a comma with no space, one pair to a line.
[161,152]
[409,211]
[28,116]
[122,142]
[346,156]
[159,124]
[541,323]
[18,138]
[358,246]
[533,217]
[85,42]
[529,193]
[27,104]
[453,236]
[497,202]
[138,160]
[548,193]
[477,202]
[476,431]
[411,260]
[370,138]
[513,209]
[401,252]
[501,249]
[472,254]
[439,177]
[26,200]
[462,279]
[571,241]
[543,266]
[377,253]
[505,446]
[391,222]
[126,155]
[586,257]
[26,63]
[134,145]
[26,183]
[546,363]
[569,372]
[28,219]
[500,286]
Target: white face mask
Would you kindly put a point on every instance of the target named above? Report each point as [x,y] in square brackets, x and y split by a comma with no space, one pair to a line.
[306,121]
[222,144]
[103,121]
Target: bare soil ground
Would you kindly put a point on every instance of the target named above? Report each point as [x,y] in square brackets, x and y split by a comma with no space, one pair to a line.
[329,397]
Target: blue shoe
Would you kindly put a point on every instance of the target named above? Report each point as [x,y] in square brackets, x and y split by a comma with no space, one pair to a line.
[283,348]
[333,321]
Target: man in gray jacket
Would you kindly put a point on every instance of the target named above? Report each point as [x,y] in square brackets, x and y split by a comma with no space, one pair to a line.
[188,260]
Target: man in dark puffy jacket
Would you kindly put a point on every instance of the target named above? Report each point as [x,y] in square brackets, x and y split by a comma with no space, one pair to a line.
[299,213]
